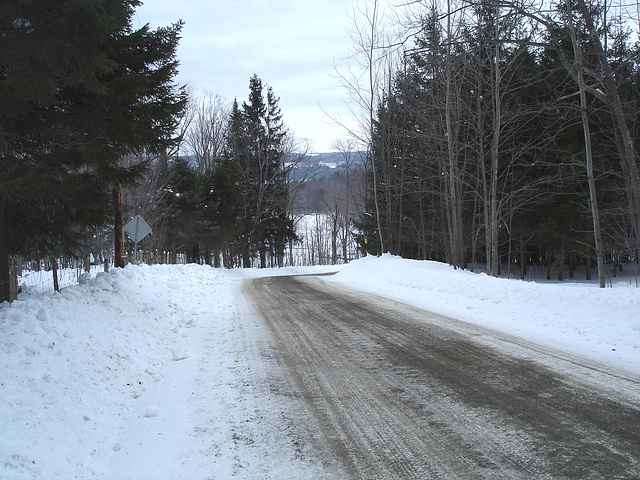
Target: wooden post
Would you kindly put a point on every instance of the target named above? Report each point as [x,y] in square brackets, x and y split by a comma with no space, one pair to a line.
[118,261]
[13,283]
[54,270]
[5,275]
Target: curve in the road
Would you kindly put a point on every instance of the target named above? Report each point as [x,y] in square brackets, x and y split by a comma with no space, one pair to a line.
[400,393]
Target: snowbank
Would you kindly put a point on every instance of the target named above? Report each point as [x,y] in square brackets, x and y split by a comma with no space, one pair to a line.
[143,373]
[160,372]
[603,324]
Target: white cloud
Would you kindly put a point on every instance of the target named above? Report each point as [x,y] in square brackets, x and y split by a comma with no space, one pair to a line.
[291,45]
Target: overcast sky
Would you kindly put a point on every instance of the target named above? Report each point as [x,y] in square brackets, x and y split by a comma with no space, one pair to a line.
[290,44]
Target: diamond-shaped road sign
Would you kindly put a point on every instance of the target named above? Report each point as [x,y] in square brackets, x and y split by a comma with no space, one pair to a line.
[137,229]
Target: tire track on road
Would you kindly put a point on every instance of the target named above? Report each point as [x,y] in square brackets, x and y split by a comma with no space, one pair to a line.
[397,394]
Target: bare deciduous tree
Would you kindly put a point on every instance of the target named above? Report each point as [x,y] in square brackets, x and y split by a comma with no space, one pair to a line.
[207,133]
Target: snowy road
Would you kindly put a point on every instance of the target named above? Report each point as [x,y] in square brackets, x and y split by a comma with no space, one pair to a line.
[397,392]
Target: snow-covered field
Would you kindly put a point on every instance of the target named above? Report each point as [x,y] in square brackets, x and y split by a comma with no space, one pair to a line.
[162,372]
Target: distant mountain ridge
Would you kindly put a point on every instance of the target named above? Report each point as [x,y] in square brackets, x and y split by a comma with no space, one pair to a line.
[323,164]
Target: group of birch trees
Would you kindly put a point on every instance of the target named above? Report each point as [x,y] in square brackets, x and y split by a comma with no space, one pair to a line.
[505,132]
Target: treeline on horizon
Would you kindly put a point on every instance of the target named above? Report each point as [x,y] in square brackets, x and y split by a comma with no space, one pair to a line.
[507,134]
[91,123]
[227,202]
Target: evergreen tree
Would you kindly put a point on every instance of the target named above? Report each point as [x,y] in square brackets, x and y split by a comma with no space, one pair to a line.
[79,89]
[257,144]
[225,193]
[186,214]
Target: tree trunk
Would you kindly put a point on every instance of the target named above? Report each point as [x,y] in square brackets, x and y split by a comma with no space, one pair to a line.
[334,239]
[54,271]
[593,201]
[572,265]
[118,222]
[523,258]
[561,265]
[291,254]
[5,277]
[453,196]
[484,183]
[371,112]
[547,266]
[495,142]
[246,257]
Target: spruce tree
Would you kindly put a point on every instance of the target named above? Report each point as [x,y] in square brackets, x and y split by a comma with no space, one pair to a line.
[79,89]
[46,46]
[227,218]
[256,142]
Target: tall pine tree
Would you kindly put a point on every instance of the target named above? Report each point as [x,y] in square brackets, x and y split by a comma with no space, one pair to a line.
[257,144]
[79,88]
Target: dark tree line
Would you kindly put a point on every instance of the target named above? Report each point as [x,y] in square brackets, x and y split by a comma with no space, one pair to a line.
[507,135]
[226,199]
[90,125]
[80,89]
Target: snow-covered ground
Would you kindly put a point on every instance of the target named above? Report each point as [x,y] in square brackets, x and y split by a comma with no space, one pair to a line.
[575,317]
[163,372]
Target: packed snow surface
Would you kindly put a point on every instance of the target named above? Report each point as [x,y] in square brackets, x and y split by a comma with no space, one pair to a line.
[161,372]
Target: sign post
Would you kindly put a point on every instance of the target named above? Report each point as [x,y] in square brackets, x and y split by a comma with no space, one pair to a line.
[137,229]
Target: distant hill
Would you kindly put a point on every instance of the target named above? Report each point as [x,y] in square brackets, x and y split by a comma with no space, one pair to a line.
[334,158]
[316,165]
[324,178]
[321,165]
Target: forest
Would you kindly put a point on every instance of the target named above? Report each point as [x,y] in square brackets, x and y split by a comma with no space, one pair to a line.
[493,134]
[95,129]
[503,133]
[242,192]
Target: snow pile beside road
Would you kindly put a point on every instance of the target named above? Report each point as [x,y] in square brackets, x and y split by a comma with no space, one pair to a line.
[143,373]
[159,372]
[603,324]
[68,363]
